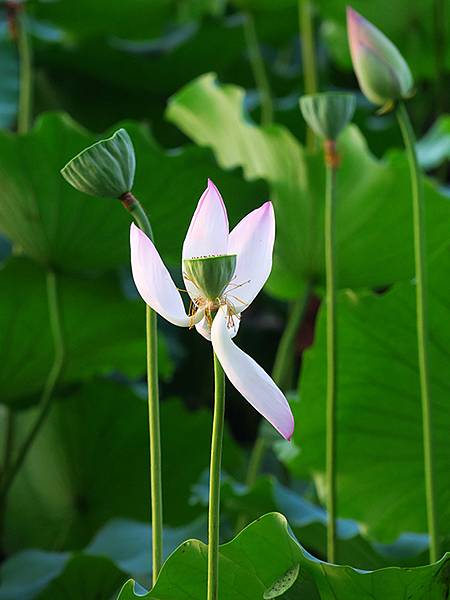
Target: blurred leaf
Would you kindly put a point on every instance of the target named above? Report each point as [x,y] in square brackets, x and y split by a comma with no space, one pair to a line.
[121,546]
[134,19]
[53,223]
[374,215]
[308,521]
[9,75]
[84,578]
[265,551]
[27,573]
[103,331]
[434,147]
[90,464]
[128,543]
[380,477]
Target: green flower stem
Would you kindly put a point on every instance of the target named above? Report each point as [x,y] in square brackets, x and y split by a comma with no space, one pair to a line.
[214,481]
[331,399]
[258,69]
[50,384]
[305,10]
[422,325]
[26,74]
[134,207]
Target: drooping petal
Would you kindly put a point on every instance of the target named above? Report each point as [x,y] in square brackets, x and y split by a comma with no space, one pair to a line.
[252,240]
[208,232]
[204,328]
[153,280]
[250,379]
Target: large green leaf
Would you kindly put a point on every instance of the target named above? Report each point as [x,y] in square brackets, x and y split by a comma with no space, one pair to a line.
[102,330]
[265,551]
[374,222]
[53,223]
[90,464]
[380,480]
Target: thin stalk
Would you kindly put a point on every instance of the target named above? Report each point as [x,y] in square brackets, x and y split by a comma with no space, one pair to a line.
[331,399]
[134,207]
[50,384]
[258,69]
[305,11]
[26,74]
[422,326]
[155,441]
[214,481]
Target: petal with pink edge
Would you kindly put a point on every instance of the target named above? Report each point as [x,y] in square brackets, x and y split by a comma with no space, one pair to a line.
[252,240]
[250,379]
[208,232]
[153,280]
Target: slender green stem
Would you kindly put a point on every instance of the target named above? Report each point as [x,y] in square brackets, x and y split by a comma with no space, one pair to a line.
[331,402]
[132,204]
[305,12]
[26,74]
[214,481]
[422,325]
[155,441]
[50,384]
[258,69]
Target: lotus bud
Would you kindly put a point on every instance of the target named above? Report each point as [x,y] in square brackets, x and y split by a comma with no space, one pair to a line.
[382,72]
[104,169]
[327,114]
[210,274]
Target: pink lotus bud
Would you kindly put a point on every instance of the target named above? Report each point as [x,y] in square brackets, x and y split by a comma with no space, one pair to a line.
[382,72]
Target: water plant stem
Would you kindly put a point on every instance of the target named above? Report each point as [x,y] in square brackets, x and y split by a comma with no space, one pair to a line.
[422,324]
[214,481]
[26,74]
[258,69]
[331,331]
[305,12]
[134,207]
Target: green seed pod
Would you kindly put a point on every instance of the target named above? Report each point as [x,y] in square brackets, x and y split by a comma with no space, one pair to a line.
[382,72]
[210,274]
[104,169]
[327,114]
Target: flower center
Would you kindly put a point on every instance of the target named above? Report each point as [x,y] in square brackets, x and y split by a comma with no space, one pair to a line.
[210,274]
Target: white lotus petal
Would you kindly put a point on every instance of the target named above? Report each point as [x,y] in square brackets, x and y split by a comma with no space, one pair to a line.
[250,379]
[153,280]
[252,240]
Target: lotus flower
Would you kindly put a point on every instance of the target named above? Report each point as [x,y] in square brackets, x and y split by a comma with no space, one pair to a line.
[382,72]
[223,273]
